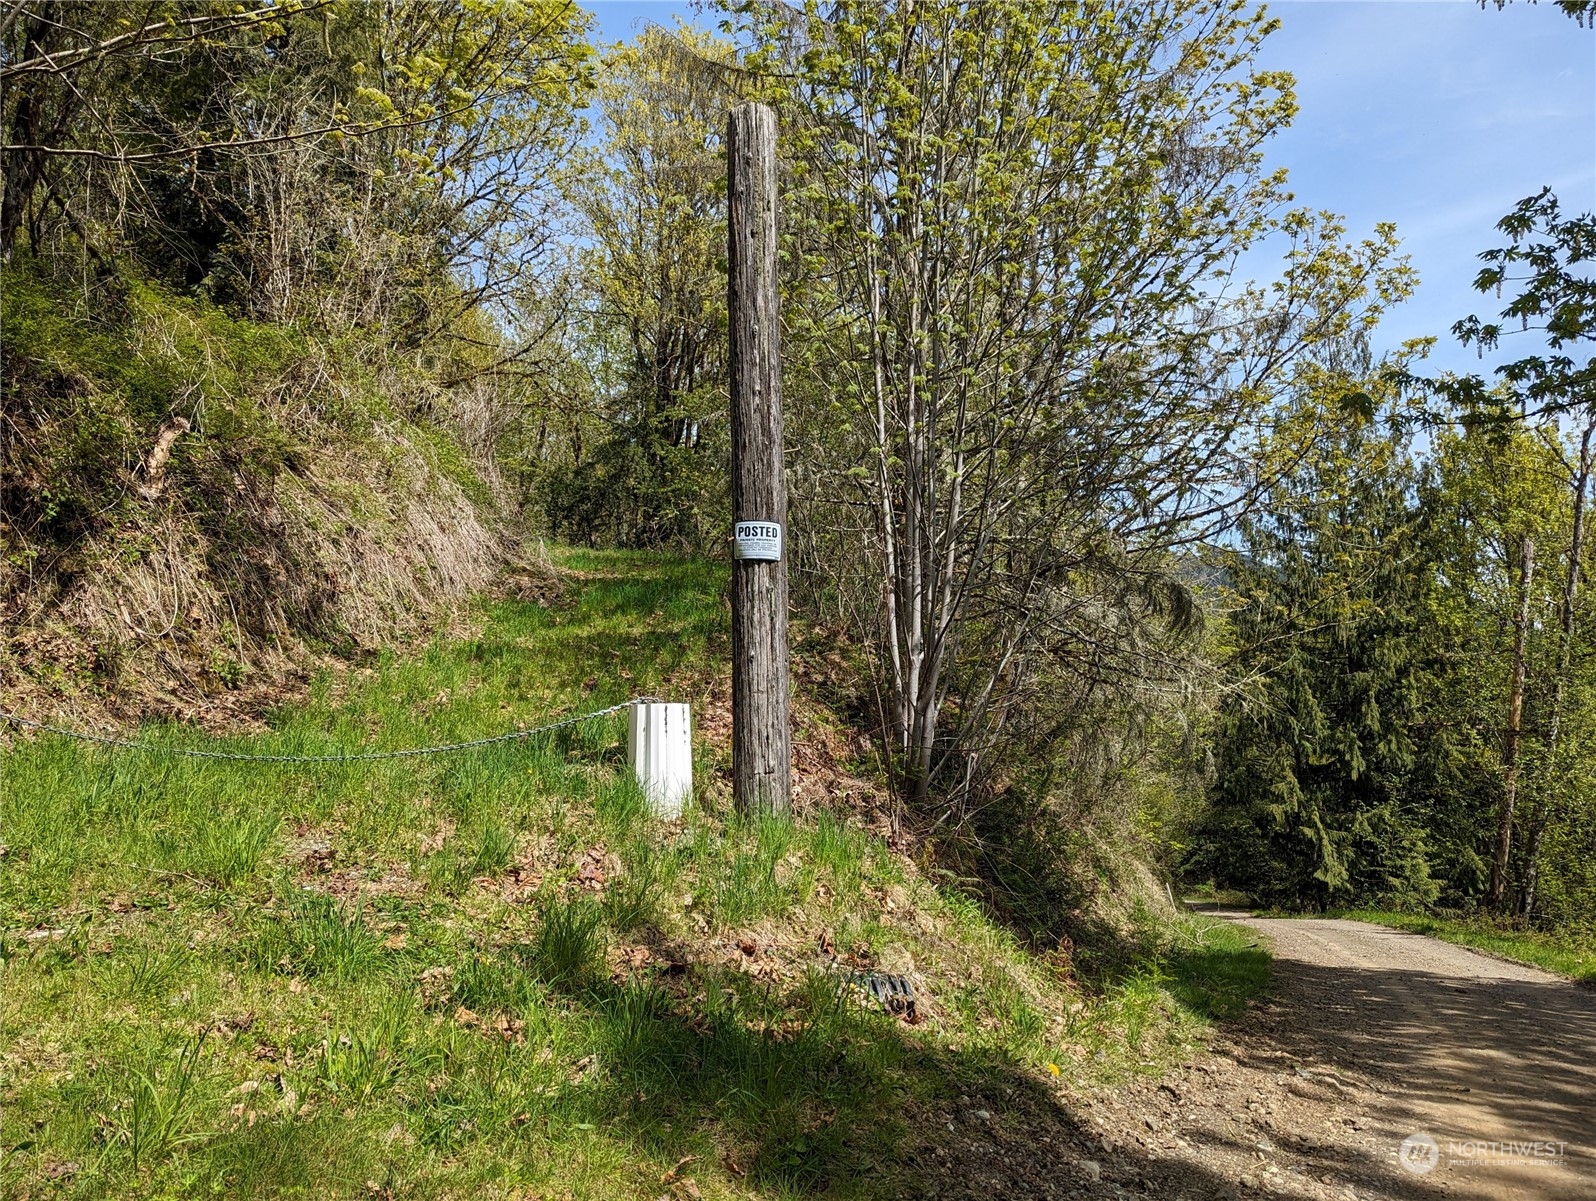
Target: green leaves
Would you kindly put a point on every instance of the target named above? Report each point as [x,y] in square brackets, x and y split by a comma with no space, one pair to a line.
[1317,749]
[1358,404]
[1019,374]
[1556,296]
[642,462]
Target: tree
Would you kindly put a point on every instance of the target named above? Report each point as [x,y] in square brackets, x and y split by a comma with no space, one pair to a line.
[1582,11]
[1555,298]
[1393,704]
[1561,766]
[308,219]
[651,196]
[340,163]
[1499,499]
[1026,379]
[1317,742]
[59,55]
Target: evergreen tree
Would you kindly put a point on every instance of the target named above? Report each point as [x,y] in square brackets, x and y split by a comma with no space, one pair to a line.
[1316,746]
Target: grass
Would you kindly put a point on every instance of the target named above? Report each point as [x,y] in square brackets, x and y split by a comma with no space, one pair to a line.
[567,948]
[494,973]
[1216,968]
[1565,954]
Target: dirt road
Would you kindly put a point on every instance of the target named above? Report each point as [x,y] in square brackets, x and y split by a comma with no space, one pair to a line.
[1371,1037]
[1494,1062]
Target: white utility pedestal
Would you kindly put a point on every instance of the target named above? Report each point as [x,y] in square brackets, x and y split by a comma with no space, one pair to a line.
[660,746]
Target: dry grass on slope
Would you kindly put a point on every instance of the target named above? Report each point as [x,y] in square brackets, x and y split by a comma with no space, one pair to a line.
[196,506]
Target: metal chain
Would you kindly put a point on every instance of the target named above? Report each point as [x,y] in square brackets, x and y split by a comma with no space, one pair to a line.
[363,756]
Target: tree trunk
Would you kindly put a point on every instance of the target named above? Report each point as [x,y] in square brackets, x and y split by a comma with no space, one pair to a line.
[22,167]
[1515,725]
[1545,810]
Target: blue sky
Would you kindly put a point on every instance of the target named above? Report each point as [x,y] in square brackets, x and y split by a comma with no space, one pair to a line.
[1429,113]
[1439,117]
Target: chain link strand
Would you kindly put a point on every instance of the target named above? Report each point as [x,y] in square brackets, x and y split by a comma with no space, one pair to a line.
[363,756]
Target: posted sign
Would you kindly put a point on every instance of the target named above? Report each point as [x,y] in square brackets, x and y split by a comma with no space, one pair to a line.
[757,541]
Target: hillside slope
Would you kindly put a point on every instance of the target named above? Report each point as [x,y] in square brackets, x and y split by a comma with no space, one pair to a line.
[493,974]
[195,503]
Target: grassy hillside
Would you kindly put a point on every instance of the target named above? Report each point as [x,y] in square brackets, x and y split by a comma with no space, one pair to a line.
[192,499]
[493,973]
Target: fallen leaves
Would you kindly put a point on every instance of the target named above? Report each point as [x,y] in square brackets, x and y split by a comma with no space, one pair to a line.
[681,1163]
[435,840]
[509,1029]
[783,1031]
[226,1025]
[632,959]
[595,868]
[521,882]
[435,986]
[499,1025]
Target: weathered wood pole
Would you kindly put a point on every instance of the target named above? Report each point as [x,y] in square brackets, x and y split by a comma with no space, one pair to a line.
[761,734]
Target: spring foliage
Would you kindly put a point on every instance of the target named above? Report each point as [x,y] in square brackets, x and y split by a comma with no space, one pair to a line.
[308,302]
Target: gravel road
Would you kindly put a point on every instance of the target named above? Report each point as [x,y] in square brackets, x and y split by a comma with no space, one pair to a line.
[1369,1038]
[1493,1061]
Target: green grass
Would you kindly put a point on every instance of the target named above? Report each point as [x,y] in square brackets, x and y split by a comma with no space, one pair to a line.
[1564,954]
[1216,968]
[567,948]
[494,973]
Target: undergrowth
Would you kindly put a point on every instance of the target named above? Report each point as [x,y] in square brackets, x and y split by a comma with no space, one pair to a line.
[494,973]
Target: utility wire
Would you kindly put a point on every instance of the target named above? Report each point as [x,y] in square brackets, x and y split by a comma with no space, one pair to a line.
[342,757]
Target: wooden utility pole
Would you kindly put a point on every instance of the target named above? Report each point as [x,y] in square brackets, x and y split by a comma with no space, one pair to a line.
[761,735]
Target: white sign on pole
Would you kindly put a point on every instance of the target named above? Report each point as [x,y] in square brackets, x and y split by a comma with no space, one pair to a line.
[757,541]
